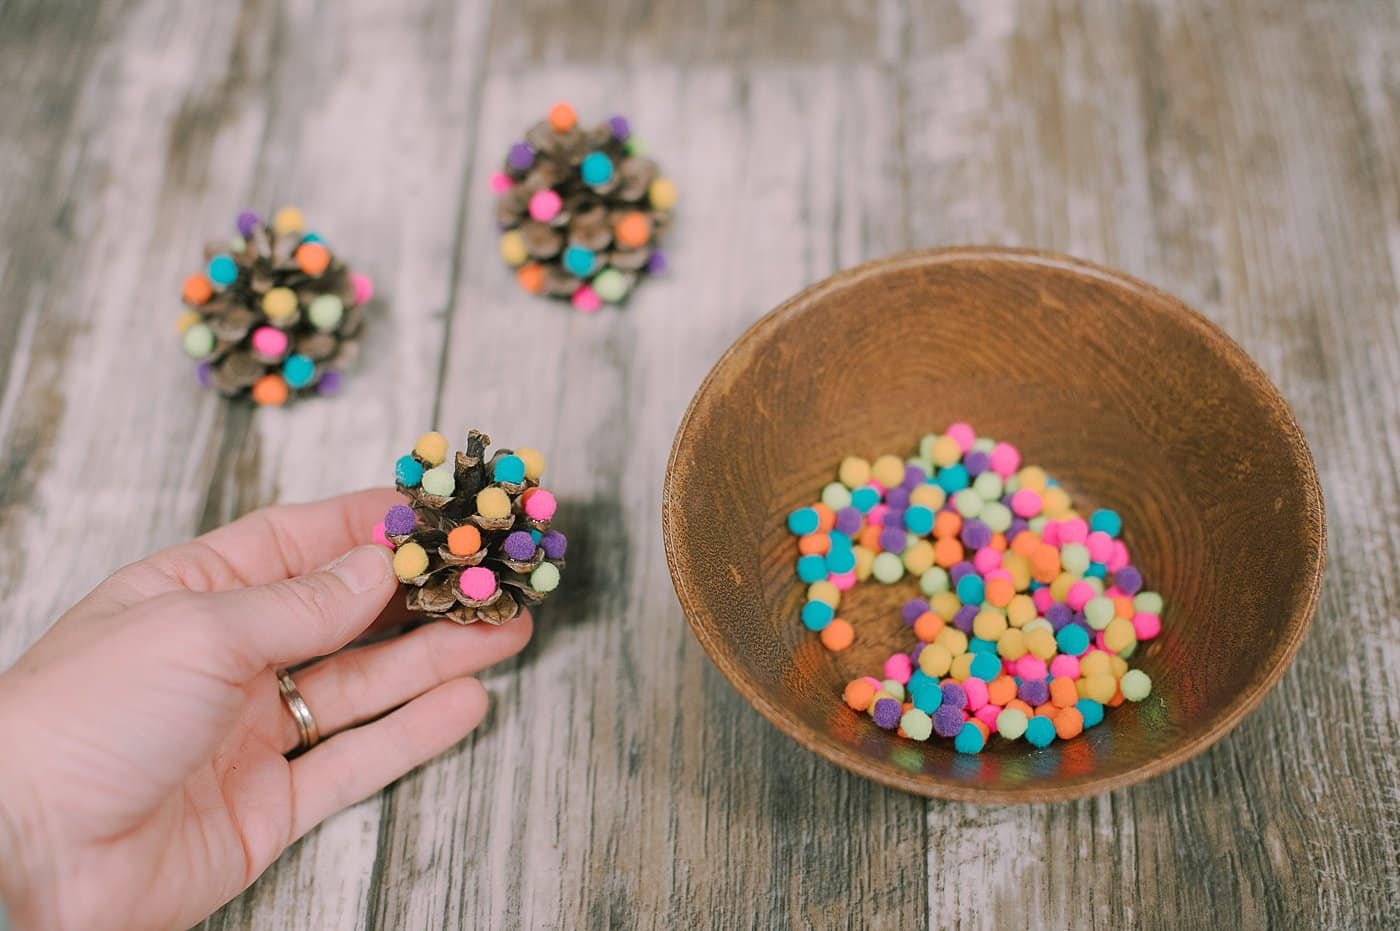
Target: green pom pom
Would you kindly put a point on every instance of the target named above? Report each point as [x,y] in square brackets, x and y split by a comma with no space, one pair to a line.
[440,481]
[610,285]
[545,578]
[199,341]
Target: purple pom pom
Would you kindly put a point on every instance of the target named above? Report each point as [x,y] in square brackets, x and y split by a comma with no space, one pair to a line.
[520,546]
[201,371]
[1128,579]
[959,570]
[892,540]
[400,520]
[976,462]
[914,653]
[330,382]
[1034,692]
[554,544]
[914,476]
[976,534]
[1058,615]
[912,609]
[947,721]
[887,713]
[247,223]
[1018,524]
[953,696]
[656,264]
[849,521]
[521,157]
[964,617]
[894,517]
[620,128]
[897,499]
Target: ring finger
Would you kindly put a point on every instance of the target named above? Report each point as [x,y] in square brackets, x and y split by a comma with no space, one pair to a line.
[360,684]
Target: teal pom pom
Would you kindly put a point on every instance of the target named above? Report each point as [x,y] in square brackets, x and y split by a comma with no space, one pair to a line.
[408,472]
[298,370]
[596,169]
[223,270]
[509,469]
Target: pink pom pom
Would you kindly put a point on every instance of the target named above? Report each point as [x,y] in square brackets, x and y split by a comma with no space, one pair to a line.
[500,182]
[380,537]
[987,714]
[899,667]
[477,583]
[1051,533]
[1100,546]
[1078,595]
[963,435]
[844,581]
[986,559]
[1119,557]
[1030,667]
[269,341]
[876,516]
[1042,599]
[1074,530]
[586,300]
[363,286]
[1146,626]
[1004,459]
[1065,665]
[976,691]
[545,205]
[1025,503]
[540,504]
[995,574]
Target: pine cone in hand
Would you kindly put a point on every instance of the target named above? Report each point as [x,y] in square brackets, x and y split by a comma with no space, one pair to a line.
[275,313]
[581,210]
[474,542]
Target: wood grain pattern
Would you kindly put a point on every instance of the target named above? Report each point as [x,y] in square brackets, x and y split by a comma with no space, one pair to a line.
[1244,155]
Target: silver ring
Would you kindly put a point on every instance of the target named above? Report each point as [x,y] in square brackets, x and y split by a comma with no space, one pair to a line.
[301,713]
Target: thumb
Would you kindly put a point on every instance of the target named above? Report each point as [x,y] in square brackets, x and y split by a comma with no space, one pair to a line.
[294,620]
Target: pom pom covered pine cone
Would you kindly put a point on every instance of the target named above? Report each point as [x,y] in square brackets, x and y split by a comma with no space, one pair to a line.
[275,312]
[581,210]
[474,543]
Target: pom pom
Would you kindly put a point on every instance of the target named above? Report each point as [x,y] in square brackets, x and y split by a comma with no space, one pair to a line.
[509,469]
[464,540]
[400,520]
[555,545]
[477,583]
[439,481]
[326,311]
[519,546]
[408,472]
[534,462]
[270,391]
[288,220]
[431,448]
[545,578]
[410,561]
[493,503]
[540,504]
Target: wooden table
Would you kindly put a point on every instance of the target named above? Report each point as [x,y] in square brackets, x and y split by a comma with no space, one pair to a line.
[1244,155]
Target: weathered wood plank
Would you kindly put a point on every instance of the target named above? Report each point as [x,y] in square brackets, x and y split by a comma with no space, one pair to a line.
[1212,150]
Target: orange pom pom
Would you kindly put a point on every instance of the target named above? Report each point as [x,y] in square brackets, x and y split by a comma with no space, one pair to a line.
[270,390]
[858,692]
[562,117]
[1069,723]
[1025,543]
[464,540]
[838,635]
[313,258]
[197,289]
[818,544]
[947,553]
[946,525]
[826,517]
[633,230]
[530,276]
[1001,690]
[928,626]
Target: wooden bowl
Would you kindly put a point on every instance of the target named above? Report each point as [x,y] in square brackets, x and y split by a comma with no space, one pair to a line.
[1128,397]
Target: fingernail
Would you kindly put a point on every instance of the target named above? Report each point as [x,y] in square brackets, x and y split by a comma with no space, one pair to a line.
[362,569]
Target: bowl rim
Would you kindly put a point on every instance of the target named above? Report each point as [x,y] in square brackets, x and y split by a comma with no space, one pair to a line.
[1227,350]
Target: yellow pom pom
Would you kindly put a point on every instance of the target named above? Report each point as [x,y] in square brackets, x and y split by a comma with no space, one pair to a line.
[961,666]
[1041,643]
[854,472]
[431,448]
[1060,587]
[288,220]
[918,558]
[187,319]
[930,496]
[888,471]
[1021,611]
[410,561]
[953,640]
[935,660]
[1094,663]
[1055,503]
[1119,635]
[1012,645]
[1098,687]
[989,624]
[946,451]
[865,562]
[513,248]
[945,605]
[1032,477]
[662,193]
[493,503]
[824,591]
[534,463]
[280,303]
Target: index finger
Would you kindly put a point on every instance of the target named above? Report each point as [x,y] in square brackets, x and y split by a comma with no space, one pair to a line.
[267,545]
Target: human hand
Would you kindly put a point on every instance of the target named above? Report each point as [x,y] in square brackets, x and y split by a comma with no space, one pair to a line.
[144,779]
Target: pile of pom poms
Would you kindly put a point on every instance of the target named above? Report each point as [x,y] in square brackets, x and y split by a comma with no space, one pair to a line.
[1029,611]
[581,210]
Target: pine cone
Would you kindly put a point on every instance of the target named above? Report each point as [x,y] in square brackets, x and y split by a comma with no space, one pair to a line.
[581,210]
[474,542]
[275,312]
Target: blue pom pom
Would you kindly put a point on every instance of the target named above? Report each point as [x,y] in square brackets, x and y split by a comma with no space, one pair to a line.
[408,472]
[978,645]
[970,739]
[918,520]
[579,261]
[1106,521]
[816,615]
[804,521]
[1040,732]
[509,469]
[985,666]
[1091,710]
[596,169]
[1072,639]
[971,589]
[298,371]
[840,560]
[953,478]
[811,568]
[864,498]
[223,270]
[1096,570]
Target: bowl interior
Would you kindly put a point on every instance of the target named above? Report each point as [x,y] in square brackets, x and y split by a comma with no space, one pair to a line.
[1128,398]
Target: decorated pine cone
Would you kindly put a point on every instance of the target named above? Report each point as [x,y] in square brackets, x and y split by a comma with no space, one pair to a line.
[474,543]
[581,210]
[275,312]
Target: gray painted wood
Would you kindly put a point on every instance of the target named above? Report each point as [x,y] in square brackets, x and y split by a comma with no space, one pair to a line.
[1241,155]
